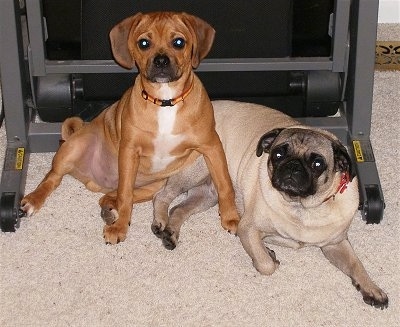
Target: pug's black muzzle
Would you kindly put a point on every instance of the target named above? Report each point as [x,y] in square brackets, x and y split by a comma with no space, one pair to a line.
[293,178]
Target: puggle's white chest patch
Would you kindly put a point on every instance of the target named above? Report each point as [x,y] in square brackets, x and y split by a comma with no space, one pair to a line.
[165,141]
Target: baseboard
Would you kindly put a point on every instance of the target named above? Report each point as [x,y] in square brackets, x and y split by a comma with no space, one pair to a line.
[387,55]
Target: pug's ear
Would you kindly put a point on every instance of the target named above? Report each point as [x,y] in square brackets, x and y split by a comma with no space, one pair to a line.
[342,159]
[265,142]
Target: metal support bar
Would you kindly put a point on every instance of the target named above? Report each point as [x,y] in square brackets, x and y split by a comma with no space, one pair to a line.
[207,65]
[335,125]
[340,35]
[13,75]
[363,27]
[14,88]
[37,37]
[359,92]
[44,137]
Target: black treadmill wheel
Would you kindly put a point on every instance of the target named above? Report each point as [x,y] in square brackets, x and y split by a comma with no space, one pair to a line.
[9,216]
[373,205]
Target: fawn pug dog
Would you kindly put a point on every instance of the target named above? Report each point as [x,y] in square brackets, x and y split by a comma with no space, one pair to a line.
[160,125]
[295,186]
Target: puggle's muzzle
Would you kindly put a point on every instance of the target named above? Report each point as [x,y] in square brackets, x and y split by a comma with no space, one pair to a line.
[162,69]
[293,179]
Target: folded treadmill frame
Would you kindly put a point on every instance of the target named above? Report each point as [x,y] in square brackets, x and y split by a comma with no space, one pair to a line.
[22,58]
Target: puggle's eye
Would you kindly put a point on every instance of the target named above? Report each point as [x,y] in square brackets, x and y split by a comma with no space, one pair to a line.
[178,43]
[144,44]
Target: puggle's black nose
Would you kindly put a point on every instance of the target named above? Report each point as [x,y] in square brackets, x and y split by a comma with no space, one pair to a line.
[161,61]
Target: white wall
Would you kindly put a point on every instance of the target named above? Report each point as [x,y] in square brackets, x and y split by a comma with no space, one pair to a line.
[389,11]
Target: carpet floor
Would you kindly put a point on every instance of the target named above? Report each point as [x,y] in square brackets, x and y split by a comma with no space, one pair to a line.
[57,271]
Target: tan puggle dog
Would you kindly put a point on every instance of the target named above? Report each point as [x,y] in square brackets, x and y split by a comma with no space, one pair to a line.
[160,125]
[294,184]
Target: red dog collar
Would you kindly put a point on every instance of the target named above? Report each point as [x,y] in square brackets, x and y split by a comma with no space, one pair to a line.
[344,181]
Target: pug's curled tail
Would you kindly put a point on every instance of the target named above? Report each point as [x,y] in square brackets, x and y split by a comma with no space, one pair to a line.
[70,126]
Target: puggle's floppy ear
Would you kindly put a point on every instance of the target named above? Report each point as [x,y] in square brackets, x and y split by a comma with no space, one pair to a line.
[203,37]
[265,142]
[342,159]
[119,40]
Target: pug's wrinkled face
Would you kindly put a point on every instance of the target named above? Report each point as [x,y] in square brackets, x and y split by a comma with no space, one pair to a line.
[303,163]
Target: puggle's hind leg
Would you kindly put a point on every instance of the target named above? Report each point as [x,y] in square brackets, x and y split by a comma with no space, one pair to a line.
[32,202]
[63,164]
[198,199]
[343,257]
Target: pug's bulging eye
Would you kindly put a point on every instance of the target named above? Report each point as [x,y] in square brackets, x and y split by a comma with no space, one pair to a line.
[178,43]
[144,44]
[278,154]
[318,164]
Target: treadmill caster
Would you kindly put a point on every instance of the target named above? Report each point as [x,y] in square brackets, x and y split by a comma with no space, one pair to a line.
[9,215]
[373,204]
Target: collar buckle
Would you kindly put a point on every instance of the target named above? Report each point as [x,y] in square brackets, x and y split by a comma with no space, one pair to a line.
[166,103]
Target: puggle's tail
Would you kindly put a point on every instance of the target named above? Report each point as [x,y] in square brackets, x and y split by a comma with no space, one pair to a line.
[70,126]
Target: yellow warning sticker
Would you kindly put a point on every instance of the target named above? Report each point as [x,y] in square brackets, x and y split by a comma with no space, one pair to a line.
[358,151]
[19,161]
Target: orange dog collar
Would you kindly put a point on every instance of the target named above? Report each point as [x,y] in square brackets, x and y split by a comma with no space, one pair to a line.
[169,102]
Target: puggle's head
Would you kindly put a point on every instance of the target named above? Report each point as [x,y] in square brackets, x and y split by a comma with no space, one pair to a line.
[164,46]
[305,163]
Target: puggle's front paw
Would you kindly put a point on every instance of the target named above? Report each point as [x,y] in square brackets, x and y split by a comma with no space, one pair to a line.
[115,233]
[30,206]
[230,222]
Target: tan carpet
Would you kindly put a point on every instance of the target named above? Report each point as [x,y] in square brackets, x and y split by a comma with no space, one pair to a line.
[56,270]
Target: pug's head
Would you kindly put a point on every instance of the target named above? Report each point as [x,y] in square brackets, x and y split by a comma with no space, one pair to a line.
[305,165]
